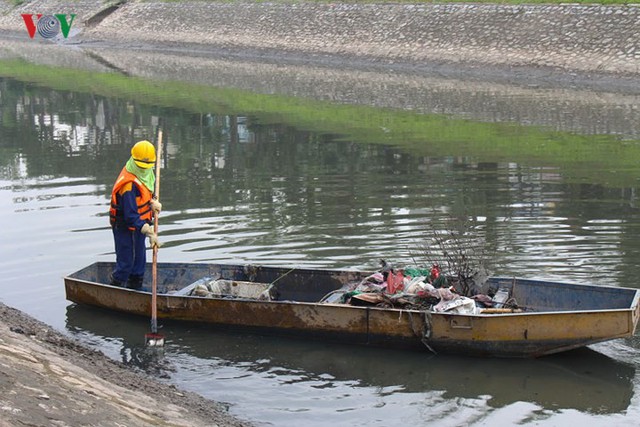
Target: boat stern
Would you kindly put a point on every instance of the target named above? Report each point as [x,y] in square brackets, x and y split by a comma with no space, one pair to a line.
[635,313]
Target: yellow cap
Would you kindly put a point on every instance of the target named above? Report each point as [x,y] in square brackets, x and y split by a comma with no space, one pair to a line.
[144,154]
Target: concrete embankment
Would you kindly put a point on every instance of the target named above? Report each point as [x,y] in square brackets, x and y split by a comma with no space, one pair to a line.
[48,379]
[566,67]
[571,37]
[577,38]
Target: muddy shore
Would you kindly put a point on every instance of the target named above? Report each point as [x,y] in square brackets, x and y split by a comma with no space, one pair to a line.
[48,379]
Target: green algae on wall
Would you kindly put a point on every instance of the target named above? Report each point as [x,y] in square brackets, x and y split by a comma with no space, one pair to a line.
[419,134]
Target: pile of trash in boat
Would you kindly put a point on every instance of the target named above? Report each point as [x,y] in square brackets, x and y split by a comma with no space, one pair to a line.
[422,289]
[407,289]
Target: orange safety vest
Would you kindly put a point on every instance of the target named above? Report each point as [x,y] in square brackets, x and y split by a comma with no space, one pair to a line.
[143,200]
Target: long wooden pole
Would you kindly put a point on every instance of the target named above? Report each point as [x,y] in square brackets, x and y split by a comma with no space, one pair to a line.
[154,265]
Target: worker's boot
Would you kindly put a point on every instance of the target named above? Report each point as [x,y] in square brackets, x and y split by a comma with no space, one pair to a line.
[115,282]
[135,282]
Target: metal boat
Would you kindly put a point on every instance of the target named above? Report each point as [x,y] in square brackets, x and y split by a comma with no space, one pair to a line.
[553,316]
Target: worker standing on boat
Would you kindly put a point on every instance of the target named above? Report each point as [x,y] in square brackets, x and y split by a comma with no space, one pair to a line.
[131,215]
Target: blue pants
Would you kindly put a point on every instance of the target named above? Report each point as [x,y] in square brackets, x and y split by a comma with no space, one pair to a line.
[131,255]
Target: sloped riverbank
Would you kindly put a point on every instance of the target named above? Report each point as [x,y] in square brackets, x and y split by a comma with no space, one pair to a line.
[528,62]
[49,379]
[477,39]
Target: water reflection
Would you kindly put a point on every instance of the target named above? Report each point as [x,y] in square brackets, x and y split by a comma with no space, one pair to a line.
[584,380]
[236,189]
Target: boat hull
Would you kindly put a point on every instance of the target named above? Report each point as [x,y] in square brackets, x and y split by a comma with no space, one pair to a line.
[527,334]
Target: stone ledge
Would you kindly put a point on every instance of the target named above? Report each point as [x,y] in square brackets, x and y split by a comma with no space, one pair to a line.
[580,38]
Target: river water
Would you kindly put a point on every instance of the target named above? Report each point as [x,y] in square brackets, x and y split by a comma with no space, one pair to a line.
[273,180]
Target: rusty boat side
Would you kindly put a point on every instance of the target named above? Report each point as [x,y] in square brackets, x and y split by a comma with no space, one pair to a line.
[557,316]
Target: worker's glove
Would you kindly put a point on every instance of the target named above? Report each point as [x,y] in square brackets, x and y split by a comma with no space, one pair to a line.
[156,206]
[147,230]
